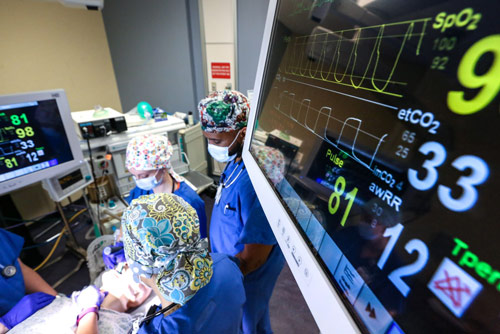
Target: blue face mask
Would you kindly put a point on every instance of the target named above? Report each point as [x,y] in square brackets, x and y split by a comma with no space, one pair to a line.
[221,154]
[148,183]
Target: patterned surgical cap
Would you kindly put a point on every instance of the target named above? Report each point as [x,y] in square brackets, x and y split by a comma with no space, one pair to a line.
[224,111]
[272,161]
[150,152]
[161,236]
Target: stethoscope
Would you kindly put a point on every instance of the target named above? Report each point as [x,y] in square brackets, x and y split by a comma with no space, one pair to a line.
[8,271]
[136,325]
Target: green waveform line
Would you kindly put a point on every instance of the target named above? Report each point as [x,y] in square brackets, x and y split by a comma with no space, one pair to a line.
[425,20]
[298,51]
[301,7]
[359,76]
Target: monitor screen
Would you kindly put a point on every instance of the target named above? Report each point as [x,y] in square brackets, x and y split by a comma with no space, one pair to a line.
[392,110]
[32,138]
[36,139]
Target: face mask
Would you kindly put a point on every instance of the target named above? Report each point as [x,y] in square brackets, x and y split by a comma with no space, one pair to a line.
[221,154]
[148,183]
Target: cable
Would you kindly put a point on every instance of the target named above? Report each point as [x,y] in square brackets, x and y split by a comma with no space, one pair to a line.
[52,250]
[93,175]
[39,219]
[76,215]
[38,245]
[59,239]
[27,221]
[90,235]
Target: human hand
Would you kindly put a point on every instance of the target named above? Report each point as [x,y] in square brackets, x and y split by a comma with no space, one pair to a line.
[24,308]
[112,255]
[88,297]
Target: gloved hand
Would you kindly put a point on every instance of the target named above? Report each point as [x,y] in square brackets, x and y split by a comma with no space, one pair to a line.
[24,308]
[112,255]
[88,297]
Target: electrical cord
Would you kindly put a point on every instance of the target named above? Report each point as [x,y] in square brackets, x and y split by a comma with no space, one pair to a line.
[27,221]
[52,250]
[93,175]
[38,245]
[76,227]
[59,239]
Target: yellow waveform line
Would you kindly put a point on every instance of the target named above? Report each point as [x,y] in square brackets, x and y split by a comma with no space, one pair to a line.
[359,76]
[306,70]
[363,38]
[424,20]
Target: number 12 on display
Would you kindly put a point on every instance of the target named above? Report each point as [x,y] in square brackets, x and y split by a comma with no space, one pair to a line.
[414,245]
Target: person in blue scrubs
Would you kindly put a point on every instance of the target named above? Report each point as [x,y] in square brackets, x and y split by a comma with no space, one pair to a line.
[23,290]
[199,292]
[148,160]
[238,226]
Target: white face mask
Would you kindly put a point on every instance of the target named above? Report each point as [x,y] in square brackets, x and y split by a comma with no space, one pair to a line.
[221,154]
[148,183]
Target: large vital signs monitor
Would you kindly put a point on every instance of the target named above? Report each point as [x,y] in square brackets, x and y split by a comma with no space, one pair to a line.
[37,138]
[373,147]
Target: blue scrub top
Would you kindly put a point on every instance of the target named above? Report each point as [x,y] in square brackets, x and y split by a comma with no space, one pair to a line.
[9,252]
[237,220]
[215,309]
[188,194]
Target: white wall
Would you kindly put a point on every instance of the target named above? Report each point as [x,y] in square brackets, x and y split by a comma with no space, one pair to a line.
[218,31]
[46,45]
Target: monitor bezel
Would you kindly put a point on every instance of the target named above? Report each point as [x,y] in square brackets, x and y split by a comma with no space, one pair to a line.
[325,304]
[62,103]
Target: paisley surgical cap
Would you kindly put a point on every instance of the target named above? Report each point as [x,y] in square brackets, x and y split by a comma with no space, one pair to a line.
[224,111]
[150,152]
[161,236]
[271,160]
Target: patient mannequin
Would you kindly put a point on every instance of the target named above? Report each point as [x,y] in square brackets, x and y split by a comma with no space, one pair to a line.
[124,293]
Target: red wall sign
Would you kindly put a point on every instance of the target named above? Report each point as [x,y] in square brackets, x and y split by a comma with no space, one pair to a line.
[221,71]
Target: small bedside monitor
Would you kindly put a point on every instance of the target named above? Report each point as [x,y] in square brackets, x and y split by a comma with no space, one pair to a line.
[37,138]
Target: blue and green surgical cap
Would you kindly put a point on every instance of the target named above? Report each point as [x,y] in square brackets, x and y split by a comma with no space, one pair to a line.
[161,236]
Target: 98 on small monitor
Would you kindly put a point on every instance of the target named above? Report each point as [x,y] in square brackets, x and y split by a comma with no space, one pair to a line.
[32,138]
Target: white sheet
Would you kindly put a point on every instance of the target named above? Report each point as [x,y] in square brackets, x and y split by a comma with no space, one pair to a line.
[59,317]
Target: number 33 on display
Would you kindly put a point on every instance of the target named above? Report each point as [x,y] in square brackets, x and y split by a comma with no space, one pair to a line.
[479,174]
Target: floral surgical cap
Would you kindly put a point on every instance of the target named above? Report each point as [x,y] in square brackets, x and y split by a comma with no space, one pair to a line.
[150,152]
[272,161]
[161,236]
[224,111]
